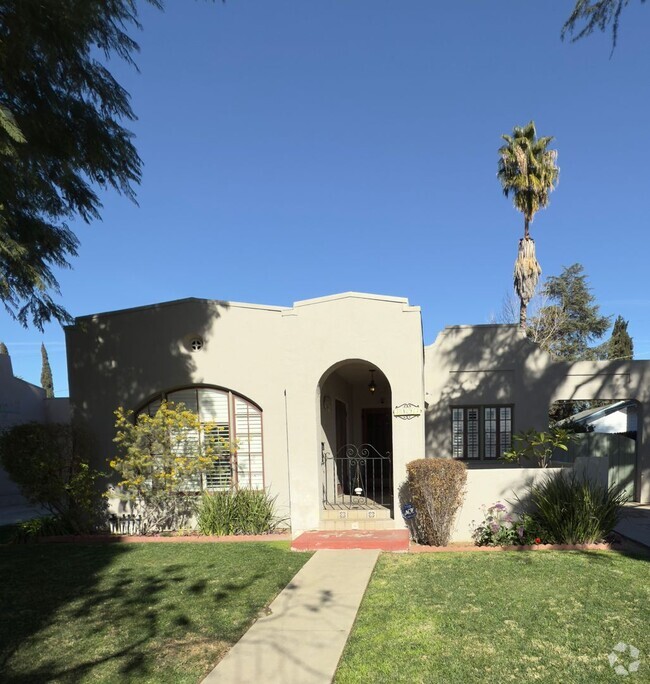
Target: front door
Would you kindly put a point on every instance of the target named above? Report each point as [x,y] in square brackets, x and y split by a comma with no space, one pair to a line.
[377,430]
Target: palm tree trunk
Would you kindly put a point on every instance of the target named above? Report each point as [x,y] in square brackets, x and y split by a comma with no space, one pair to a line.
[526,231]
[526,275]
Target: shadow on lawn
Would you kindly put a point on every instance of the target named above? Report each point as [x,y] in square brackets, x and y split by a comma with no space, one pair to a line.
[37,582]
[120,615]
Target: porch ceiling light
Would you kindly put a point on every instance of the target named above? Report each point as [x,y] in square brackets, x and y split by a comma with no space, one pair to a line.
[372,387]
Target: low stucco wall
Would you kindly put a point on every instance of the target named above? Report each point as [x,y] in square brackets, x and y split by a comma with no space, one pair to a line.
[486,487]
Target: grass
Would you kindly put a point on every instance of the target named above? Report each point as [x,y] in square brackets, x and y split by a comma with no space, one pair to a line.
[499,617]
[131,612]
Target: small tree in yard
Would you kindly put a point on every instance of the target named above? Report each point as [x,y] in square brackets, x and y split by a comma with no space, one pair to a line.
[161,460]
[538,446]
[48,463]
[437,488]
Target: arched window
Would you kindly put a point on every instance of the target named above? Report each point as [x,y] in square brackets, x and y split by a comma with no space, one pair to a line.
[232,419]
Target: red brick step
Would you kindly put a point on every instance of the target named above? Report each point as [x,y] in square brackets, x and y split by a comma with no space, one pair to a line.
[384,540]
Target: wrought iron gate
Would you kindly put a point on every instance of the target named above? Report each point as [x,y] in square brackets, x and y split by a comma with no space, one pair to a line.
[357,477]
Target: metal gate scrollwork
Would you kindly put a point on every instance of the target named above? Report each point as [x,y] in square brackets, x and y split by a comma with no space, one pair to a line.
[357,477]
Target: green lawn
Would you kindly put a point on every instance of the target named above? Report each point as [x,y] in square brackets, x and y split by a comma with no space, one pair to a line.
[500,617]
[131,612]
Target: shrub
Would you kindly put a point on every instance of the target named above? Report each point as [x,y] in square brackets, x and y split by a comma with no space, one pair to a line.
[437,487]
[237,511]
[161,460]
[29,530]
[501,528]
[575,510]
[48,463]
[533,445]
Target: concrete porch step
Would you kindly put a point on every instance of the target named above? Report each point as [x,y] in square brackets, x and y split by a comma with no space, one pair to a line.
[355,514]
[341,525]
[383,540]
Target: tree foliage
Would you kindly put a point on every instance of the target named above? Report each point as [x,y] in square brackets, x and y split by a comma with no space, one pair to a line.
[47,383]
[49,464]
[160,461]
[532,445]
[528,171]
[620,345]
[571,314]
[588,16]
[61,137]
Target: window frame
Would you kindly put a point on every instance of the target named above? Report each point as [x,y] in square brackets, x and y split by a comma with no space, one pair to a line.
[232,429]
[482,435]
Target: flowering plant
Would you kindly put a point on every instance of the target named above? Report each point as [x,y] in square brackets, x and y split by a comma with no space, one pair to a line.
[501,528]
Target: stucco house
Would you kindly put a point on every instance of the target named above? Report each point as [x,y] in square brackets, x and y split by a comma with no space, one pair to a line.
[329,399]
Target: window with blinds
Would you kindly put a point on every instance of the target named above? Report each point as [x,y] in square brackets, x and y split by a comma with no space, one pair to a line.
[233,428]
[481,432]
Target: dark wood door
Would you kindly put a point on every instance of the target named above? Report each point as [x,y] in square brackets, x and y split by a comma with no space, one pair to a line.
[377,430]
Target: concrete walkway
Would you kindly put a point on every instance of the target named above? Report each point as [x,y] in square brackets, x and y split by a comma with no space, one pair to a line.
[635,523]
[301,639]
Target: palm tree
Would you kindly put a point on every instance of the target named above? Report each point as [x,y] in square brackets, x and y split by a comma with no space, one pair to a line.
[528,171]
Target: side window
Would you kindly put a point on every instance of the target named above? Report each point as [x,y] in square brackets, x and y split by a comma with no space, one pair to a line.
[480,432]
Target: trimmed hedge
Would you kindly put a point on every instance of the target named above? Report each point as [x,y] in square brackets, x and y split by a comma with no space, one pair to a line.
[437,487]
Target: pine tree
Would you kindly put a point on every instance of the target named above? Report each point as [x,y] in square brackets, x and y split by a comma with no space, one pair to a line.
[46,374]
[620,345]
[571,321]
[3,349]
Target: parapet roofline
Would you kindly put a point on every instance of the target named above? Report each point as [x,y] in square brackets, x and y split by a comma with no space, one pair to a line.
[245,305]
[352,295]
[482,326]
[175,302]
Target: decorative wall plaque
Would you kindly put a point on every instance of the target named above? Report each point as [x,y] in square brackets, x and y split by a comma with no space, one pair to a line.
[407,411]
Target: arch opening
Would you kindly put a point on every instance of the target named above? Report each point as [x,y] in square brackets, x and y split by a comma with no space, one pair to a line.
[356,439]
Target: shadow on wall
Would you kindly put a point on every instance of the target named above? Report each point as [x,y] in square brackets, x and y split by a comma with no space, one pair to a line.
[127,357]
[493,364]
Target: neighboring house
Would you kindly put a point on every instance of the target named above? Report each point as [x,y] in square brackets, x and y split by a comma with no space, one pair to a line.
[22,402]
[608,433]
[329,399]
[619,418]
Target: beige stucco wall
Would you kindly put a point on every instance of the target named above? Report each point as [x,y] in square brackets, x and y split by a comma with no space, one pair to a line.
[274,356]
[486,487]
[496,364]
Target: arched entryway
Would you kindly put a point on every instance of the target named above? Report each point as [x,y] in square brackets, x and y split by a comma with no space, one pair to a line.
[356,445]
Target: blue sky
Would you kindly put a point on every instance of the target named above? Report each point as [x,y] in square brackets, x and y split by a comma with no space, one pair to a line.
[297,149]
